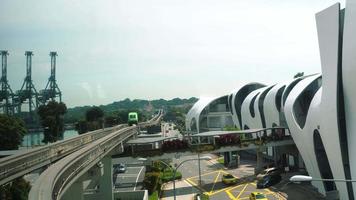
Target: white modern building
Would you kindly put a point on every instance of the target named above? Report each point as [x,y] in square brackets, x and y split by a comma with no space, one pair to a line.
[319,110]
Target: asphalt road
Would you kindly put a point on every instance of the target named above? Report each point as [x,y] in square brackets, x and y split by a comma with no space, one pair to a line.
[211,174]
[131,180]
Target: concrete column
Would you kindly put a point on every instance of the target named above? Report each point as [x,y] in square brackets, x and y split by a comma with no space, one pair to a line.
[75,191]
[227,158]
[259,161]
[105,186]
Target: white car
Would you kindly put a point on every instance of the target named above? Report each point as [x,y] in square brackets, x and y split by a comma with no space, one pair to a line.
[268,171]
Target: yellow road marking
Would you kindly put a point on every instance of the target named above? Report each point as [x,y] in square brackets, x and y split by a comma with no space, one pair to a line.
[216,179]
[221,190]
[191,182]
[230,195]
[236,187]
[242,191]
[187,182]
[206,173]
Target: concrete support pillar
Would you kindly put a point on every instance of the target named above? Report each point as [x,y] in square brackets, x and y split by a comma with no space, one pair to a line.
[227,158]
[276,155]
[75,191]
[106,186]
[259,161]
[300,161]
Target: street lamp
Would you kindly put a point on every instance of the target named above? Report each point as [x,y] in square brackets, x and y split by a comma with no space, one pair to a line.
[175,170]
[301,178]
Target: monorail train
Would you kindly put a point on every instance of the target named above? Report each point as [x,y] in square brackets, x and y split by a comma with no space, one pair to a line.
[132,118]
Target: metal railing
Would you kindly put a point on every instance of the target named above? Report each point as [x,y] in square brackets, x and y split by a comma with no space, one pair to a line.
[58,177]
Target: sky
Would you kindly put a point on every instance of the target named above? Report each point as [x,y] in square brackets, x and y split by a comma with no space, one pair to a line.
[109,50]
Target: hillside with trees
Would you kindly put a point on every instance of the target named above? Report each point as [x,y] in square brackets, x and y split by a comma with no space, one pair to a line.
[120,109]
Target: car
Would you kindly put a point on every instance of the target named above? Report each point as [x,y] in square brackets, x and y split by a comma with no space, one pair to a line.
[257,196]
[229,179]
[120,168]
[268,171]
[268,180]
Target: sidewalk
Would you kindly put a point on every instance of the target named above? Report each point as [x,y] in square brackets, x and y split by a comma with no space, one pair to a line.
[184,191]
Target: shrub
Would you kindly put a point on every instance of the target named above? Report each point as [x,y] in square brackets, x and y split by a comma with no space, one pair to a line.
[152,182]
[167,176]
[230,139]
[173,145]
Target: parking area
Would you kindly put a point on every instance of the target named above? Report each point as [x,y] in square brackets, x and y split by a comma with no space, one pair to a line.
[130,180]
[216,189]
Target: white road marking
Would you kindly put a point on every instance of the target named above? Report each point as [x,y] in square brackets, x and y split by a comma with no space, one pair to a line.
[128,175]
[138,176]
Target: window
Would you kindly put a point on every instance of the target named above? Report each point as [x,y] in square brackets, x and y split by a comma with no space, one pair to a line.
[252,103]
[278,99]
[302,103]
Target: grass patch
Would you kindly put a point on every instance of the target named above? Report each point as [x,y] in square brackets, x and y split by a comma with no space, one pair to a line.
[202,196]
[167,175]
[221,160]
[153,196]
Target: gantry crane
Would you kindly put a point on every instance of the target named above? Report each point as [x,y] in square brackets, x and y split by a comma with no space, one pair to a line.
[28,93]
[52,90]
[6,94]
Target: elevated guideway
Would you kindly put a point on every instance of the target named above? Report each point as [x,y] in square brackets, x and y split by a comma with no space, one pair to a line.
[15,166]
[58,178]
[209,142]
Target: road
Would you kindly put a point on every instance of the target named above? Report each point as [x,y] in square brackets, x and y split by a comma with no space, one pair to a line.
[132,179]
[211,174]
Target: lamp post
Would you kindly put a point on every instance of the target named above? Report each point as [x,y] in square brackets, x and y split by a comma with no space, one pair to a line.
[302,178]
[175,170]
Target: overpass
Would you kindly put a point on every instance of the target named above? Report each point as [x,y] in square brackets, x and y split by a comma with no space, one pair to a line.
[15,166]
[211,142]
[56,181]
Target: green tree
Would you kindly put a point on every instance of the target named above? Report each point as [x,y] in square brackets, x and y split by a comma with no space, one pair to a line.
[110,121]
[81,126]
[94,114]
[177,116]
[12,131]
[51,116]
[16,190]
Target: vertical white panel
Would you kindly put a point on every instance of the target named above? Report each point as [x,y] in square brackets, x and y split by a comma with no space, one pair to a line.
[349,81]
[303,138]
[328,34]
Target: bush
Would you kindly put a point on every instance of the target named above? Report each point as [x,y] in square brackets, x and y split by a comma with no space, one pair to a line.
[230,139]
[206,147]
[174,145]
[167,176]
[202,196]
[152,182]
[153,196]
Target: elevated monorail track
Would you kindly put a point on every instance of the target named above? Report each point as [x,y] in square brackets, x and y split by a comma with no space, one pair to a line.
[54,181]
[17,165]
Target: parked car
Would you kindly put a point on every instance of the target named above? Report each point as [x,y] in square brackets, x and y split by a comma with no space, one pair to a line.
[120,168]
[269,171]
[268,180]
[257,196]
[229,179]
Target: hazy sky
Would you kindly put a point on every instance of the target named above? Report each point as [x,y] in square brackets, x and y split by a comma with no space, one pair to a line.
[113,49]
